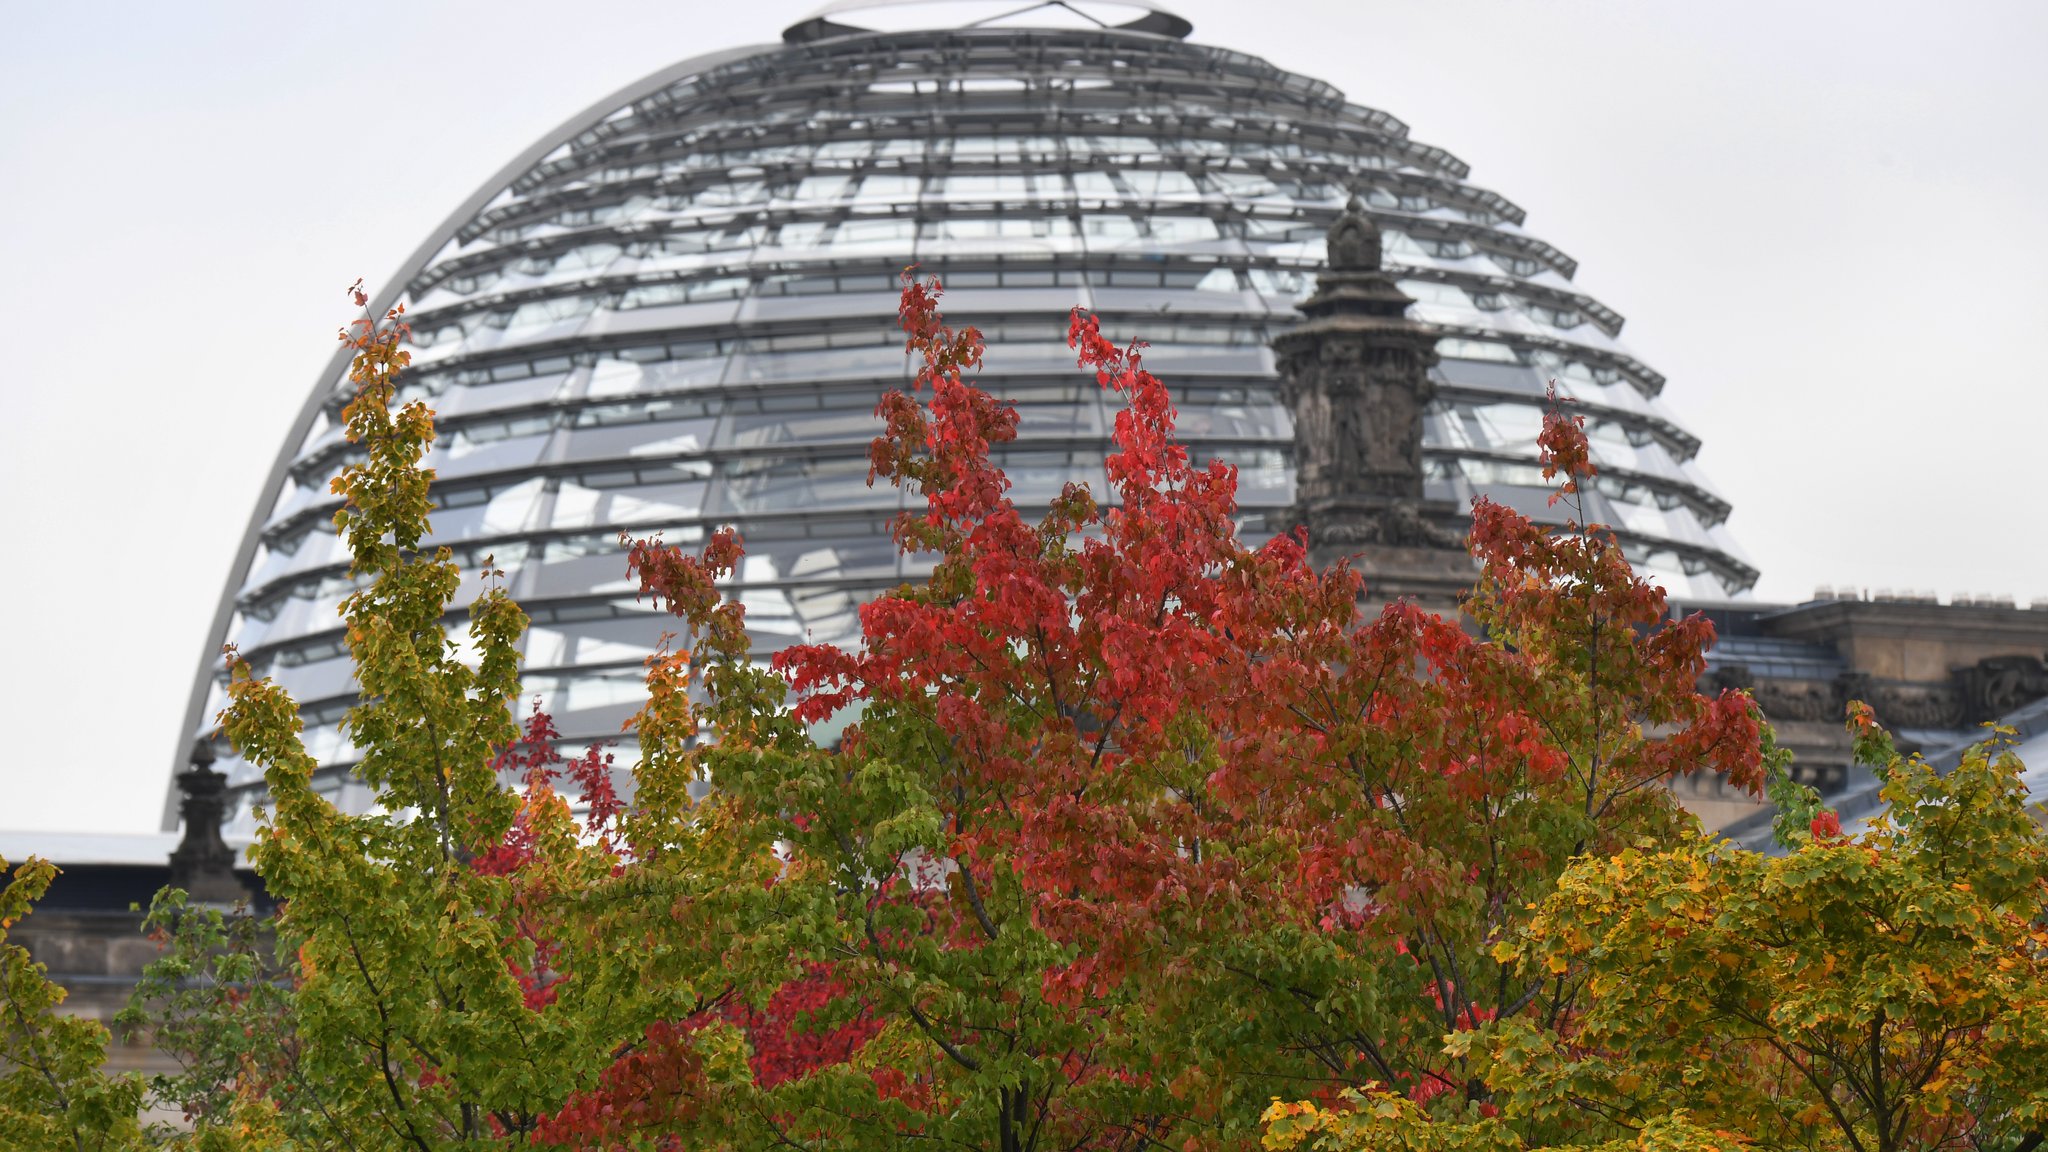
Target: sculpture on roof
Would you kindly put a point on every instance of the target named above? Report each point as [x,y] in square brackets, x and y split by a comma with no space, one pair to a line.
[1354,240]
[203,864]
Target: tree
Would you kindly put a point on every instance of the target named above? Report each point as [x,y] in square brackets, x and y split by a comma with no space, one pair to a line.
[54,1094]
[218,1002]
[464,964]
[449,988]
[1878,993]
[1135,822]
[1131,824]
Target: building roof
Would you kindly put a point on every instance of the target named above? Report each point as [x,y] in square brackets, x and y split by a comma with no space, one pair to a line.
[82,848]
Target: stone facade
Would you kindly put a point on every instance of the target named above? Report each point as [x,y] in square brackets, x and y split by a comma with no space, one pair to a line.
[1978,662]
[96,954]
[1933,673]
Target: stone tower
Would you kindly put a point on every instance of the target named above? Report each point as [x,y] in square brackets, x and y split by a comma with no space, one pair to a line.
[1355,375]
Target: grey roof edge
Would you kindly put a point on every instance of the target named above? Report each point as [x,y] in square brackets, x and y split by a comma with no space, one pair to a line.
[379,304]
[66,849]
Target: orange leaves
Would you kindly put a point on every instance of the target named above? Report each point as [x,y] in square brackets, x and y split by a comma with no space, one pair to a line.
[1566,452]
[688,585]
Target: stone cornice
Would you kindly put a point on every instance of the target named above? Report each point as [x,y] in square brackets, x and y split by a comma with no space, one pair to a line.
[2025,629]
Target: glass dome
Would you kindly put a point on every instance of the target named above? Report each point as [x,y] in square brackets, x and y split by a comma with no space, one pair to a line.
[678,311]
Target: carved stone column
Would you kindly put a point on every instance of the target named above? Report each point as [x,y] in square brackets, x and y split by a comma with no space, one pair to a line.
[1355,374]
[203,864]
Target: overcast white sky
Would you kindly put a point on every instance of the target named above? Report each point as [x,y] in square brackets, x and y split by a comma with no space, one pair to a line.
[1825,222]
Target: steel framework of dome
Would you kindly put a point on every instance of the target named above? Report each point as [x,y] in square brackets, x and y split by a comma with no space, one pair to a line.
[678,311]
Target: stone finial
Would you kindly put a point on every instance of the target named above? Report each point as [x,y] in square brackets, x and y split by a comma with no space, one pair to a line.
[203,864]
[1353,241]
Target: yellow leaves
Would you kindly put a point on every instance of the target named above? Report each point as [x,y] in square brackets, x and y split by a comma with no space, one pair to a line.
[1922,973]
[1377,1121]
[1812,947]
[1287,1124]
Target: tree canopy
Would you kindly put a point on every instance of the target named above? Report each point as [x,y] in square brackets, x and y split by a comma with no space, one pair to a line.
[1121,831]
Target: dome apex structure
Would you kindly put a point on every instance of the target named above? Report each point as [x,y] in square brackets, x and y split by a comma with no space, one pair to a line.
[678,310]
[857,17]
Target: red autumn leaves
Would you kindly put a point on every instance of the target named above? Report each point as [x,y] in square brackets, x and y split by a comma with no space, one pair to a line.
[1165,746]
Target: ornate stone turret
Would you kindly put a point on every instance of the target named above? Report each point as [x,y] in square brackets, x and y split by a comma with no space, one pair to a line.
[203,864]
[1356,375]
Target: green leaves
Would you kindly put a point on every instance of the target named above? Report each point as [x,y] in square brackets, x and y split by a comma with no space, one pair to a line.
[435,1002]
[1875,992]
[54,1094]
